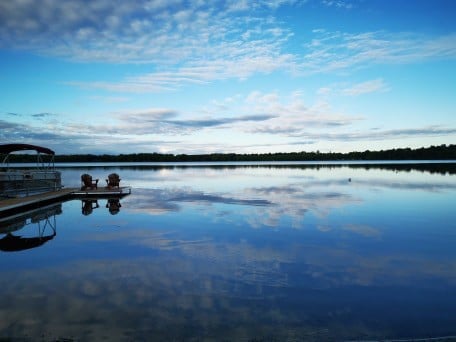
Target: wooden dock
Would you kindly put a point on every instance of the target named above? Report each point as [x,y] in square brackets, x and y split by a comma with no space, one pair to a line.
[12,205]
[102,192]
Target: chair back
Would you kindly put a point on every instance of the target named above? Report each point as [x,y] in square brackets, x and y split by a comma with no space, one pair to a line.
[113,179]
[86,179]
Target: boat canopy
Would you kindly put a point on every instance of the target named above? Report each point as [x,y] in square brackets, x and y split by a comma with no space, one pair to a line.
[8,148]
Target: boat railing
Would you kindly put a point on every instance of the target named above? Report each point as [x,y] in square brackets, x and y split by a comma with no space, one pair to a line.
[43,162]
[24,181]
[28,182]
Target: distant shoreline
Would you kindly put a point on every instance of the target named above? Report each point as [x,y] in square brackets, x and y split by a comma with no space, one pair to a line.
[442,152]
[443,167]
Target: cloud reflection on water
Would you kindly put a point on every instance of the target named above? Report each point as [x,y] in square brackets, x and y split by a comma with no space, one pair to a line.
[198,270]
[267,205]
[261,206]
[156,201]
[207,289]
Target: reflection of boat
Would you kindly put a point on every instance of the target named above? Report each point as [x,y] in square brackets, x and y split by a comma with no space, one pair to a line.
[40,216]
[23,182]
[43,218]
[12,243]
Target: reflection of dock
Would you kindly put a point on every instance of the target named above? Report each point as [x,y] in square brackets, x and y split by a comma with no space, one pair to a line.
[11,205]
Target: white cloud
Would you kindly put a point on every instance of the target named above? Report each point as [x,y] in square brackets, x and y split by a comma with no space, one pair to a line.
[255,51]
[137,32]
[293,116]
[198,42]
[338,4]
[334,51]
[247,63]
[377,134]
[371,86]
[109,99]
[324,91]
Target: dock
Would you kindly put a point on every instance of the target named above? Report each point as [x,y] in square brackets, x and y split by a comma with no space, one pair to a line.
[101,192]
[12,205]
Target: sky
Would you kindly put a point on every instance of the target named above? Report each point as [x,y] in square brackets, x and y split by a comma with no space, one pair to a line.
[232,76]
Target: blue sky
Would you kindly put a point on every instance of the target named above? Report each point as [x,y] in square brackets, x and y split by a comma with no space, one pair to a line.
[175,76]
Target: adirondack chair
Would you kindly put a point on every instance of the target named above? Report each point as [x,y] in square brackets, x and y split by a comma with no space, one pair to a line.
[87,182]
[113,180]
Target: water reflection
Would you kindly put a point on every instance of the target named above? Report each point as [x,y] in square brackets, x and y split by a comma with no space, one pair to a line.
[45,228]
[12,243]
[167,199]
[40,224]
[113,205]
[262,206]
[88,205]
[266,203]
[244,254]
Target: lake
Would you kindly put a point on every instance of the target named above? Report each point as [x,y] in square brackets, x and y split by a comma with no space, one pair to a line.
[197,252]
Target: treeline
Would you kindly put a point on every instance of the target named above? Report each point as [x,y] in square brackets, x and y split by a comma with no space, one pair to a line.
[442,152]
[435,167]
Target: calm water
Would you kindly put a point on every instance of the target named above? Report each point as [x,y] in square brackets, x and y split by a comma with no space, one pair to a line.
[238,253]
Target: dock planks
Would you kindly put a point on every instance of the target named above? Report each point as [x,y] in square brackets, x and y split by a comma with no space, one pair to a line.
[102,192]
